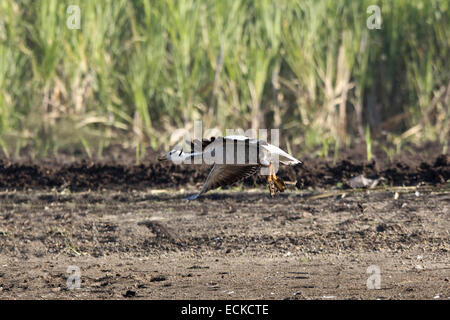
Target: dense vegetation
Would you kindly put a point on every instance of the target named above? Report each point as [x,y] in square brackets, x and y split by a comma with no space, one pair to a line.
[137,70]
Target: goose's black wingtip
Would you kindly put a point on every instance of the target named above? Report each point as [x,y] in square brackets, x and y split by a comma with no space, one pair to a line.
[192,197]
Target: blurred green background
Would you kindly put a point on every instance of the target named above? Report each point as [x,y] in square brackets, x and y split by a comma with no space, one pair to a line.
[137,70]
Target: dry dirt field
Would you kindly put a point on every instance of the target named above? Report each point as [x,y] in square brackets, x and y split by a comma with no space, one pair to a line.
[132,235]
[228,245]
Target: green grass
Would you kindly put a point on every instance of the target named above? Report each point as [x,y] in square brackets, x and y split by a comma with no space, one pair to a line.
[137,70]
[368,145]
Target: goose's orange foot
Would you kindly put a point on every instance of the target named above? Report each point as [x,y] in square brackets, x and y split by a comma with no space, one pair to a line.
[279,183]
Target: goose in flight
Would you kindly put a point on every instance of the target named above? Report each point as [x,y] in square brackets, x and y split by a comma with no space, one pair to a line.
[234,158]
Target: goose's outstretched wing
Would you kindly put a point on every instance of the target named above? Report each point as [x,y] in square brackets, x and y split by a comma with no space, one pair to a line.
[283,157]
[200,145]
[215,141]
[222,175]
[235,150]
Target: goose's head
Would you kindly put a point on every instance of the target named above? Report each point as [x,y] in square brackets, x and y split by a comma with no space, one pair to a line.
[171,155]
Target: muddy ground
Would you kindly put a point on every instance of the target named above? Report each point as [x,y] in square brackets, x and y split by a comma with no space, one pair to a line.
[132,234]
[83,175]
[228,245]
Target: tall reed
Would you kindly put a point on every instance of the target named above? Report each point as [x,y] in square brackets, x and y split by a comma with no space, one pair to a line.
[137,70]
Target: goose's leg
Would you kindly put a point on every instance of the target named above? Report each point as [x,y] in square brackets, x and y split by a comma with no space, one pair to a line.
[270,181]
[281,186]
